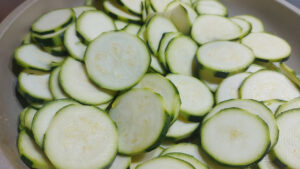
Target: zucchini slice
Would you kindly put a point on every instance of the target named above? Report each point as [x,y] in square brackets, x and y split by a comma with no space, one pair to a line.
[56,50]
[267,163]
[256,24]
[290,73]
[43,117]
[142,120]
[53,21]
[180,55]
[166,89]
[76,84]
[181,129]
[31,153]
[91,24]
[288,147]
[117,60]
[31,56]
[156,67]
[81,137]
[245,25]
[120,24]
[159,5]
[196,98]
[132,28]
[191,13]
[121,162]
[222,58]
[267,47]
[138,159]
[239,131]
[254,107]
[254,68]
[54,85]
[81,9]
[267,85]
[50,40]
[186,148]
[292,104]
[274,104]
[229,88]
[210,8]
[204,29]
[165,163]
[22,118]
[134,6]
[163,44]
[156,27]
[28,118]
[190,159]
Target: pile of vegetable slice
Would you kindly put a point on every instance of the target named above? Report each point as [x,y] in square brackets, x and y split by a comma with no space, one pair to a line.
[149,84]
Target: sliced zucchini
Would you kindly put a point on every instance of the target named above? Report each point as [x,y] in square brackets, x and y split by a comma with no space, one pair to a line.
[267,163]
[287,149]
[239,131]
[186,148]
[210,80]
[192,14]
[245,25]
[155,66]
[31,56]
[254,107]
[81,137]
[141,33]
[76,84]
[53,21]
[267,47]
[180,55]
[142,120]
[290,73]
[134,6]
[54,85]
[210,8]
[34,86]
[159,5]
[254,68]
[166,89]
[164,42]
[156,27]
[138,159]
[121,162]
[50,40]
[267,85]
[104,106]
[31,154]
[28,118]
[181,129]
[120,24]
[22,118]
[204,29]
[118,12]
[229,88]
[132,28]
[274,104]
[165,163]
[256,24]
[56,50]
[222,58]
[91,24]
[190,159]
[43,117]
[196,98]
[292,104]
[73,43]
[117,60]
[81,9]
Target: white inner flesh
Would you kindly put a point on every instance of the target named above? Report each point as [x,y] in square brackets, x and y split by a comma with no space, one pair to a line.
[79,10]
[156,66]
[268,85]
[266,163]
[29,115]
[93,23]
[180,55]
[52,20]
[43,118]
[117,60]
[34,57]
[164,44]
[132,28]
[81,137]
[162,86]
[267,46]
[233,130]
[186,148]
[245,25]
[55,88]
[195,97]
[225,56]
[254,108]
[254,68]
[160,5]
[133,5]
[166,163]
[293,104]
[75,82]
[73,43]
[256,24]
[116,9]
[229,88]
[182,128]
[36,85]
[156,28]
[192,14]
[211,8]
[31,150]
[288,147]
[179,16]
[120,24]
[273,105]
[120,162]
[140,118]
[190,159]
[138,159]
[209,28]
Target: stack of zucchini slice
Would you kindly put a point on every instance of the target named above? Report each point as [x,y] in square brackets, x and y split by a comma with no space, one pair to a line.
[149,84]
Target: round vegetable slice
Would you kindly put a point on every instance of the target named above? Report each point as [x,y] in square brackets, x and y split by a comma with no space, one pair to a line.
[165,163]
